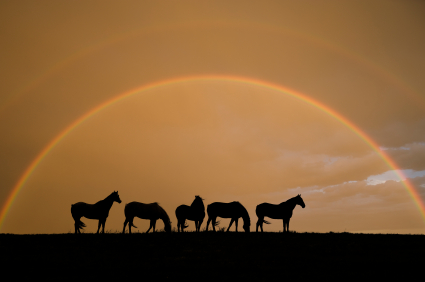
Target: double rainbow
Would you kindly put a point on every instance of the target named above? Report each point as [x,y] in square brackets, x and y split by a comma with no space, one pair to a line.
[373,68]
[250,81]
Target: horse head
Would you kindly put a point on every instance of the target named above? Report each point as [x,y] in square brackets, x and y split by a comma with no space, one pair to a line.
[116,197]
[167,227]
[300,201]
[198,198]
[198,202]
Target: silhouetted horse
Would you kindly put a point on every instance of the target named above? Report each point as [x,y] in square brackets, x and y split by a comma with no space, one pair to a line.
[196,212]
[281,211]
[100,211]
[233,210]
[145,211]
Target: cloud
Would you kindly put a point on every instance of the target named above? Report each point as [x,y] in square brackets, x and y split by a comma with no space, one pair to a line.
[399,148]
[394,176]
[355,206]
[409,156]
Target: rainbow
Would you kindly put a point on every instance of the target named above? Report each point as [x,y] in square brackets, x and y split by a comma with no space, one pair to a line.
[250,81]
[415,97]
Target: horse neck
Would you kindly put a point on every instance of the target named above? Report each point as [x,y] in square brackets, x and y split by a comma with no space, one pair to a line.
[164,216]
[108,201]
[165,219]
[291,203]
[198,205]
[245,217]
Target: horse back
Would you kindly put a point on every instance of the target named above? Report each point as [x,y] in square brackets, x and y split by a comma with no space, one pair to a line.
[78,207]
[273,211]
[182,210]
[81,209]
[190,213]
[141,210]
[225,210]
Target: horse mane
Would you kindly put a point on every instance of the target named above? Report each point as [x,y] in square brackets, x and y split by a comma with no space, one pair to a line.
[291,199]
[198,202]
[163,214]
[246,215]
[110,195]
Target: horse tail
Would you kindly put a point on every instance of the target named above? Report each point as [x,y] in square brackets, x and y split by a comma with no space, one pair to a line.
[266,222]
[184,225]
[80,224]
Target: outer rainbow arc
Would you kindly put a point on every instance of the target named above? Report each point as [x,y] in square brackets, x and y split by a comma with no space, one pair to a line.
[418,99]
[410,188]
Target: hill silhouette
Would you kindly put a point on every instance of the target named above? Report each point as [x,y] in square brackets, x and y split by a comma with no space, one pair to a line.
[213,255]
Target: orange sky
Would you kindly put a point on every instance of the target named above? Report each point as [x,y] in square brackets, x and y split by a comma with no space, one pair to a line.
[222,140]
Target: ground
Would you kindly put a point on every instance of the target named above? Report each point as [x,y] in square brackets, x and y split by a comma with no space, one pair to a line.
[212,256]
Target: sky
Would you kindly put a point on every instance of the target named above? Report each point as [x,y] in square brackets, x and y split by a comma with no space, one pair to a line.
[249,101]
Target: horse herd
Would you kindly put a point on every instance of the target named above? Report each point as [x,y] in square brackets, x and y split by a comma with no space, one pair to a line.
[195,212]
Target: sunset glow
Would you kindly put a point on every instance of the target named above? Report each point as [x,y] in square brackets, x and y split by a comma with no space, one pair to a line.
[232,101]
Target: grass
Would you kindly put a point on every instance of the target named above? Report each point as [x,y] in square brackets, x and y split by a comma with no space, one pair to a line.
[213,256]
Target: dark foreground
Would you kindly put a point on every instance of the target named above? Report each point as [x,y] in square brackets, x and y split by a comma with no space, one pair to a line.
[208,256]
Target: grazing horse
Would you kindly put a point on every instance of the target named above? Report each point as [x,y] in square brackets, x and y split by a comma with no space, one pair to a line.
[145,211]
[281,211]
[99,211]
[233,210]
[194,212]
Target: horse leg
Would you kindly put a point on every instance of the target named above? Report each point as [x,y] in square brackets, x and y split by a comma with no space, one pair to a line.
[154,224]
[287,225]
[208,223]
[130,224]
[200,223]
[214,222]
[77,229]
[98,227]
[260,223]
[150,226]
[231,222]
[103,226]
[125,223]
[184,226]
[236,224]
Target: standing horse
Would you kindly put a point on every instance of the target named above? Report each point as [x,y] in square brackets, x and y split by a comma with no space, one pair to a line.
[281,211]
[99,211]
[153,212]
[233,210]
[194,212]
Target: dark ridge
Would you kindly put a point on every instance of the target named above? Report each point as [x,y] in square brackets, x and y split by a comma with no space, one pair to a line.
[213,255]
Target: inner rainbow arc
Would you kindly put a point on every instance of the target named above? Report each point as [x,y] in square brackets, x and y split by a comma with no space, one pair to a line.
[246,80]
